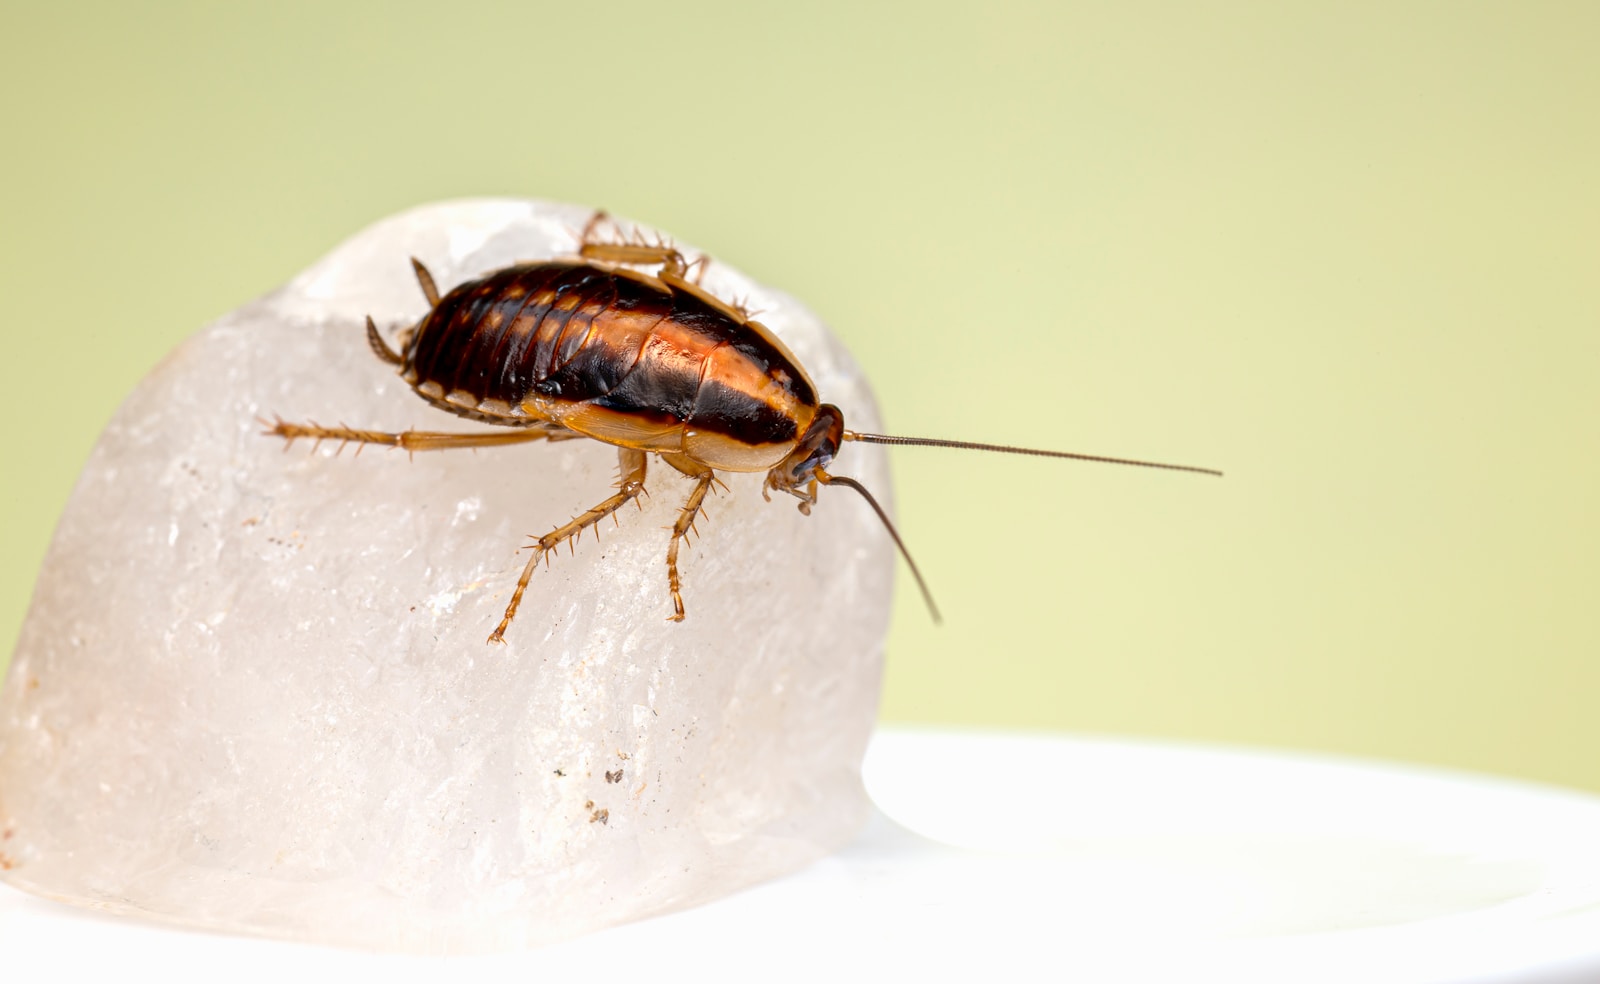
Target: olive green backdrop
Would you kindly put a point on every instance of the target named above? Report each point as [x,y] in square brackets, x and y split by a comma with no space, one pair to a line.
[1348,252]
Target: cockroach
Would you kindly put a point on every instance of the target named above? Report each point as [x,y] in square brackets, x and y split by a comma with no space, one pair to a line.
[650,362]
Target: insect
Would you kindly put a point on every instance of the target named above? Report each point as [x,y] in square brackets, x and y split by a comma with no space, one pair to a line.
[650,362]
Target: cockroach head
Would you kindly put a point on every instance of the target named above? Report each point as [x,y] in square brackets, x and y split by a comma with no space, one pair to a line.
[814,451]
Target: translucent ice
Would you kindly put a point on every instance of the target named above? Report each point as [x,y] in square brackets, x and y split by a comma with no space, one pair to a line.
[253,692]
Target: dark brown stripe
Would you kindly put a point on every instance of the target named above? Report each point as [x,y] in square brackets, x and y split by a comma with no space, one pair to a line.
[724,410]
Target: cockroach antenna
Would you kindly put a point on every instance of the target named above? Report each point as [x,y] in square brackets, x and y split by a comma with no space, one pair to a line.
[934,442]
[927,596]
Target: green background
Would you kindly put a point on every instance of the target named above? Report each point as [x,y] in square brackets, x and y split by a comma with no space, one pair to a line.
[1348,252]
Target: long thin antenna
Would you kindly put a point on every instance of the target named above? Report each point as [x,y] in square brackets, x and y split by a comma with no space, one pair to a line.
[927,596]
[933,442]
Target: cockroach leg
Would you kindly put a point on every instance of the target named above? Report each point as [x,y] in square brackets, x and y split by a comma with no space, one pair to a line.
[634,254]
[704,477]
[632,463]
[415,440]
[670,260]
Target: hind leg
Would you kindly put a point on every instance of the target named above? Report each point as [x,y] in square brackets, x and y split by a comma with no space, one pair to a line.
[415,440]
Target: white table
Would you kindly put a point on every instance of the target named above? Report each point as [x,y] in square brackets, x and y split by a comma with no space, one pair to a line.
[1051,858]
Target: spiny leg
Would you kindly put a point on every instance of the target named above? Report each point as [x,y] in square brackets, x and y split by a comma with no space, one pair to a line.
[670,260]
[703,477]
[632,464]
[415,440]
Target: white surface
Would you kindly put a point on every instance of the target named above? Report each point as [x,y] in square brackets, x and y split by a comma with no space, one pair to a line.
[1062,858]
